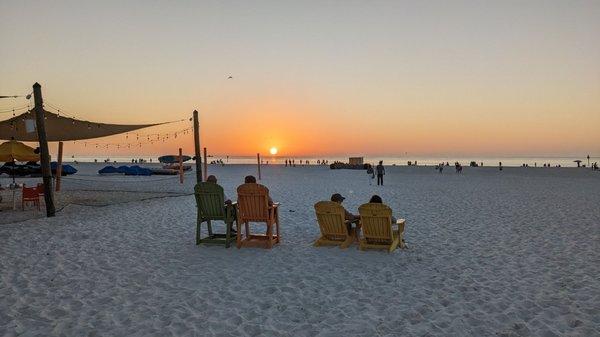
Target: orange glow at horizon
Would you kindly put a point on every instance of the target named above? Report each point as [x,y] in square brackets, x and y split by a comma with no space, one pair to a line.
[385,79]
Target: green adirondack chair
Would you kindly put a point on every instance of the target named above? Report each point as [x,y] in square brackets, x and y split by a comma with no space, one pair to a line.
[211,206]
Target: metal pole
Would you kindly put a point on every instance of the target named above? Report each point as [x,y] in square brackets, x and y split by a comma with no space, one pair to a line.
[205,166]
[197,148]
[180,166]
[59,166]
[258,164]
[44,153]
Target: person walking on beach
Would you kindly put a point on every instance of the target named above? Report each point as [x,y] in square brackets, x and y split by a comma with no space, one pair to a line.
[380,173]
[371,174]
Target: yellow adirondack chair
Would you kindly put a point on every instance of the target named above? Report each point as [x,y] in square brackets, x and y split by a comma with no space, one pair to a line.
[332,222]
[377,228]
[253,206]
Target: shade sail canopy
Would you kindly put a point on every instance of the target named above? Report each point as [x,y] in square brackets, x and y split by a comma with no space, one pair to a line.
[59,128]
[18,151]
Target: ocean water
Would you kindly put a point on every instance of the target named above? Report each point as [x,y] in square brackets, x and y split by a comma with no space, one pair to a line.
[420,160]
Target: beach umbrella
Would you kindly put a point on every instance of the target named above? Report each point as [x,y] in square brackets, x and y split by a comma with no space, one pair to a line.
[12,151]
[17,151]
[578,162]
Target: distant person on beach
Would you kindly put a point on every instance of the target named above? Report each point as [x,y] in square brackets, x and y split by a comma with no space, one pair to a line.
[213,180]
[458,167]
[380,173]
[375,199]
[370,173]
[349,217]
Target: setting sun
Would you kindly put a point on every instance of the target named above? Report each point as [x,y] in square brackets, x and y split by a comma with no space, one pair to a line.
[273,150]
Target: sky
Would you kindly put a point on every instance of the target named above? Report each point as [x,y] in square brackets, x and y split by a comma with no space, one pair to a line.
[372,78]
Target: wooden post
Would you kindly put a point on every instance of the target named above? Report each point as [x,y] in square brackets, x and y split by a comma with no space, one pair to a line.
[205,166]
[180,166]
[59,166]
[197,148]
[258,163]
[44,153]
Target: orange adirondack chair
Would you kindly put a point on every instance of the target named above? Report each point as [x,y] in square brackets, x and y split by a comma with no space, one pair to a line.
[253,206]
[31,194]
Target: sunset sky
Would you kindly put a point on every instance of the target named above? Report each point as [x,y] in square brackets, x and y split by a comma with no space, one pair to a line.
[317,78]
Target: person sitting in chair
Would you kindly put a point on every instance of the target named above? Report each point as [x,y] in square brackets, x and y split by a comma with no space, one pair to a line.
[375,199]
[252,180]
[349,217]
[213,180]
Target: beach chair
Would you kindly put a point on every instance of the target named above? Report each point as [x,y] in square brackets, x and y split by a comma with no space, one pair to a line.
[253,206]
[331,217]
[30,194]
[377,228]
[210,200]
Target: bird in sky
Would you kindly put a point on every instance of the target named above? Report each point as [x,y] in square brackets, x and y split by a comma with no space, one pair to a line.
[230,77]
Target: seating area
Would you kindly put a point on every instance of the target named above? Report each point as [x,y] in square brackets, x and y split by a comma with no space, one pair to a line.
[253,206]
[374,227]
[32,195]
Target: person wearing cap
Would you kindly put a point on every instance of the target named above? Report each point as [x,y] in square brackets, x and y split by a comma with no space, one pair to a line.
[349,217]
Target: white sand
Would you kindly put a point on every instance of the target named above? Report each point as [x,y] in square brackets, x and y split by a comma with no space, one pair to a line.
[512,253]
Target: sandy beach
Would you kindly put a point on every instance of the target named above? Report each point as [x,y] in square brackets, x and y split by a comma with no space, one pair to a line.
[511,253]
